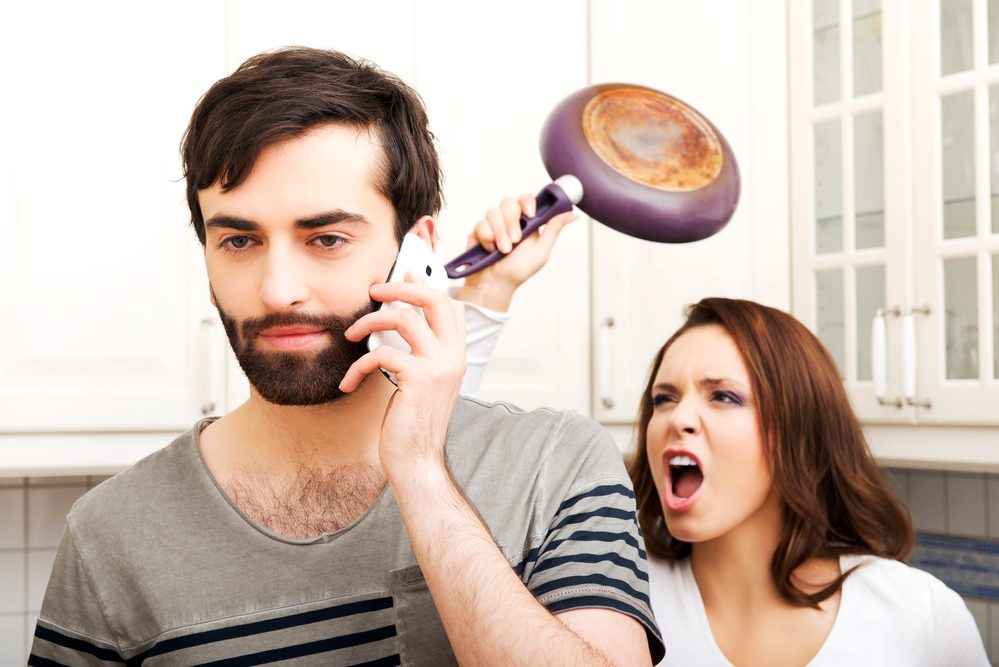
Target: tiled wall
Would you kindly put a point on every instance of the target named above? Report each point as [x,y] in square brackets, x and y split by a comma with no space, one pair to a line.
[32,515]
[960,504]
[33,511]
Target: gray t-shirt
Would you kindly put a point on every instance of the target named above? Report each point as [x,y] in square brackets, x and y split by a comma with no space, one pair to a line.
[157,567]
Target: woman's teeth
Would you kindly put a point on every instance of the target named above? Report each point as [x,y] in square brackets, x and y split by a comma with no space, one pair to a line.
[686,476]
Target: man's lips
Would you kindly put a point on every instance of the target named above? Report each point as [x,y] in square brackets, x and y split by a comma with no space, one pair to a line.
[292,338]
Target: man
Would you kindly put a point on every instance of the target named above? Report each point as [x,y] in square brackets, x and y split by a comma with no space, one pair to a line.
[336,517]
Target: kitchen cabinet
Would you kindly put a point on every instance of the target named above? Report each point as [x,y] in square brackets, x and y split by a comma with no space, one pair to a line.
[142,356]
[111,337]
[894,135]
[102,294]
[728,61]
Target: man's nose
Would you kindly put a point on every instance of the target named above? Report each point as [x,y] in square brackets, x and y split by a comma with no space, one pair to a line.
[283,283]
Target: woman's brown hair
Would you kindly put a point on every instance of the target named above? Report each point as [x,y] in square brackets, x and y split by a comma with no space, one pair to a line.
[833,497]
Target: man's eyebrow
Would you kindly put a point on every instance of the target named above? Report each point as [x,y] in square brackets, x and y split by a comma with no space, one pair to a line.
[338,216]
[222,221]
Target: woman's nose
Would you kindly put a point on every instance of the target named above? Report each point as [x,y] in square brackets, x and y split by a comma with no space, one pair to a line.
[685,418]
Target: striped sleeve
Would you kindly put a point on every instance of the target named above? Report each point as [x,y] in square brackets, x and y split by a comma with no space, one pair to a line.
[71,629]
[593,555]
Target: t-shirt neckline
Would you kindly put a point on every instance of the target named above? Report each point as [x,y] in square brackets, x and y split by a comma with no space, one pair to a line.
[323,538]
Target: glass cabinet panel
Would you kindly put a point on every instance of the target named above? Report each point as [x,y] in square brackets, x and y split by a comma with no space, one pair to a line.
[955,36]
[869,181]
[995,316]
[866,47]
[829,316]
[994,154]
[828,188]
[993,31]
[825,31]
[870,297]
[961,317]
[958,155]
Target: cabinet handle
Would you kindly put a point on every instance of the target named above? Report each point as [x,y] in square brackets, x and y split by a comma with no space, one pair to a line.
[210,367]
[604,349]
[909,357]
[879,359]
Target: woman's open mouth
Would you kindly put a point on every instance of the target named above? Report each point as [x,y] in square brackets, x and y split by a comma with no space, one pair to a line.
[683,479]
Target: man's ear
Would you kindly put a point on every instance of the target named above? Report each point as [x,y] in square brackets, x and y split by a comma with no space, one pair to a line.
[426,229]
[211,296]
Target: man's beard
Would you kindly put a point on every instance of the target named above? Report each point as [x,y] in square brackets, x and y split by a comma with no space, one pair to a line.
[295,378]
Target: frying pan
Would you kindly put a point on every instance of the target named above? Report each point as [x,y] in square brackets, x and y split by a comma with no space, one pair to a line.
[635,159]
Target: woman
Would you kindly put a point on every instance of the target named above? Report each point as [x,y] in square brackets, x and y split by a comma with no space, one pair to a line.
[772,538]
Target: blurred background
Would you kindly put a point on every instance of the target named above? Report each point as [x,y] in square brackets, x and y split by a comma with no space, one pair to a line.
[866,132]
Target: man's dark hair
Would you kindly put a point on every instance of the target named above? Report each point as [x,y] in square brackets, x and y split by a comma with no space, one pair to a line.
[283,94]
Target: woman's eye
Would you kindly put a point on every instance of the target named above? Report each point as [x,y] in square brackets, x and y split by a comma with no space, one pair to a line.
[659,400]
[727,397]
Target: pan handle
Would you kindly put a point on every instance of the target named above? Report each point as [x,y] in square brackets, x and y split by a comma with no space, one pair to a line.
[554,198]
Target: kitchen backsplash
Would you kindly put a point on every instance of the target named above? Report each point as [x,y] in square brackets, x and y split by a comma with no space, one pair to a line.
[961,505]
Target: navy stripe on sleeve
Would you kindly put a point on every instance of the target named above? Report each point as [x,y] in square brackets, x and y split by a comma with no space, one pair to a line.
[592,579]
[78,645]
[616,559]
[43,662]
[582,536]
[606,490]
[603,512]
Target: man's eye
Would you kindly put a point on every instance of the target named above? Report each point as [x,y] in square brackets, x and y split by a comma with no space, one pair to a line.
[235,243]
[329,240]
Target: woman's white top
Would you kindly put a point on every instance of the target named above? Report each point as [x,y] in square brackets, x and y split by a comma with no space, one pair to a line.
[889,614]
[482,331]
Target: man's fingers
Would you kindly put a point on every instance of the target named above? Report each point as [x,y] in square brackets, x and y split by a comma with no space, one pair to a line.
[386,357]
[407,321]
[436,305]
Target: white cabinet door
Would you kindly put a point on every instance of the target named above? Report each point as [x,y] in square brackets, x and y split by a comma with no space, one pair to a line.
[102,291]
[852,187]
[490,73]
[728,61]
[957,210]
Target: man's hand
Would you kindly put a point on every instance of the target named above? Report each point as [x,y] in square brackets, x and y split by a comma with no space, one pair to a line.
[427,379]
[494,286]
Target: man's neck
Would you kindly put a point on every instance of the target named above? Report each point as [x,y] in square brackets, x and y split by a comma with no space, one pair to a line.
[263,436]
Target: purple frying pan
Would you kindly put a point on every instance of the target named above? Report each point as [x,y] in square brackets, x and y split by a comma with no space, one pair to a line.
[635,159]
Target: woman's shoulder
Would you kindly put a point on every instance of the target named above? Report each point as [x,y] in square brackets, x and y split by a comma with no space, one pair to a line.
[922,610]
[894,580]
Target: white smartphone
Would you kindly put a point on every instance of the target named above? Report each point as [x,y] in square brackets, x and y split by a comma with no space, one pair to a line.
[413,254]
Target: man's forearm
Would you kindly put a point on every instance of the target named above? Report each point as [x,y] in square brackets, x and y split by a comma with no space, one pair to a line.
[489,616]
